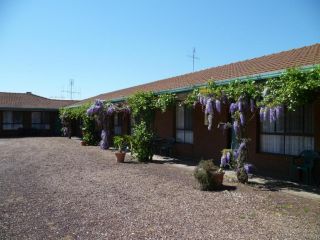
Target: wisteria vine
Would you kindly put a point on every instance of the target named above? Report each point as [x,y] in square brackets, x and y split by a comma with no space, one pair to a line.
[101,111]
[271,98]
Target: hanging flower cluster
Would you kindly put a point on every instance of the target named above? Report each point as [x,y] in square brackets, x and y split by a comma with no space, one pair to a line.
[227,158]
[241,99]
[271,113]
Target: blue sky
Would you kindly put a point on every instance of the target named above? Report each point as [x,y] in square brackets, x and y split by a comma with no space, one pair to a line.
[108,45]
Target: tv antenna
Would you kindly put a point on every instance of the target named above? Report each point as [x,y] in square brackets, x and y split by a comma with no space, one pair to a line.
[194,57]
[70,91]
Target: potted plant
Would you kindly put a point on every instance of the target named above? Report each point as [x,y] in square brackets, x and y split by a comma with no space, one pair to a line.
[120,143]
[209,176]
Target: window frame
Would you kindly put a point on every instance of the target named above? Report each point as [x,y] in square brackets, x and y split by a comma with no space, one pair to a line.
[42,124]
[285,133]
[117,124]
[12,123]
[184,129]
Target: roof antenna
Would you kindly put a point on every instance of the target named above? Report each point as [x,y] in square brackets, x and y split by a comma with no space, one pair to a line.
[193,56]
[70,91]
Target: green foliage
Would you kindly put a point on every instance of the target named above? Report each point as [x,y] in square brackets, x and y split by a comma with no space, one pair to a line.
[213,89]
[248,89]
[120,142]
[128,141]
[164,101]
[192,97]
[88,131]
[292,89]
[74,113]
[242,175]
[144,104]
[142,142]
[204,174]
[88,124]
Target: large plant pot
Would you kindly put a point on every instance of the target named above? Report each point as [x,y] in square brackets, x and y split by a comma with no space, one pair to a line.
[217,178]
[120,156]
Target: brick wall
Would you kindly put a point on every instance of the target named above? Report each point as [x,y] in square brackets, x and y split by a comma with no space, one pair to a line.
[208,144]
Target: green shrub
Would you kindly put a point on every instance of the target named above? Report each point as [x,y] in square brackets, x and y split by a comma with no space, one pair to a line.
[142,142]
[128,141]
[204,173]
[88,131]
[119,142]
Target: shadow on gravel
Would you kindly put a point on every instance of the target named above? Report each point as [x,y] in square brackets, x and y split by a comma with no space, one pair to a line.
[278,185]
[186,162]
[220,189]
[226,188]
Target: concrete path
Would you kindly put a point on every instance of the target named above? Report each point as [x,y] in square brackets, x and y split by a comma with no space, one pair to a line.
[258,181]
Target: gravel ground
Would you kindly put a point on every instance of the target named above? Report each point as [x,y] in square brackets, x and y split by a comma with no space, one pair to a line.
[53,188]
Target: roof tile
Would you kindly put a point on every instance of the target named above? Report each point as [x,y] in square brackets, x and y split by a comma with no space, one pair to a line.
[29,100]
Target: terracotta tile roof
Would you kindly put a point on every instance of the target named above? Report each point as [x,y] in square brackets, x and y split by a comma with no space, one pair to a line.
[304,56]
[30,101]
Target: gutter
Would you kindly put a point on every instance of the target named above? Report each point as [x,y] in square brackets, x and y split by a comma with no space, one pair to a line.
[255,77]
[29,109]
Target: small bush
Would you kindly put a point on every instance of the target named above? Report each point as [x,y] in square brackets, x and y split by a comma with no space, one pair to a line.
[242,175]
[88,131]
[204,173]
[142,142]
[119,142]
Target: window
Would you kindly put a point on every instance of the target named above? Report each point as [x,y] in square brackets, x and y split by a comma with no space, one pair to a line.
[40,120]
[117,124]
[184,125]
[290,134]
[12,120]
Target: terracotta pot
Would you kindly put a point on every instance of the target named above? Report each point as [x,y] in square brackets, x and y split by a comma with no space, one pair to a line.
[120,156]
[218,178]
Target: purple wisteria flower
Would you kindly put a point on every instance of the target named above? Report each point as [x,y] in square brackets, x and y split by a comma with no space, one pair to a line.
[98,102]
[218,105]
[242,119]
[240,105]
[279,111]
[272,115]
[242,146]
[90,111]
[233,108]
[96,108]
[210,116]
[228,157]
[223,160]
[104,140]
[248,167]
[203,100]
[209,107]
[111,109]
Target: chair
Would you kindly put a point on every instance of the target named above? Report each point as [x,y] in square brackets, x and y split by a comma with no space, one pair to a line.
[303,164]
[166,147]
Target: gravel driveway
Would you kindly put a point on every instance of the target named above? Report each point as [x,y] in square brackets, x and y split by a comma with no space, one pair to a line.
[53,188]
